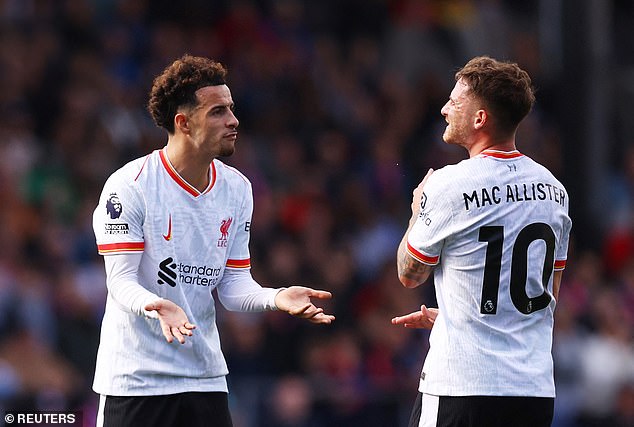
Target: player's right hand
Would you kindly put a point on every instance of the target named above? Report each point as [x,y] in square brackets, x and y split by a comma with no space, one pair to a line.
[296,301]
[423,319]
[174,322]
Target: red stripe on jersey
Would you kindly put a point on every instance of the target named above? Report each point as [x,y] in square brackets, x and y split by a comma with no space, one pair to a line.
[502,154]
[180,181]
[142,167]
[560,264]
[239,263]
[425,259]
[109,248]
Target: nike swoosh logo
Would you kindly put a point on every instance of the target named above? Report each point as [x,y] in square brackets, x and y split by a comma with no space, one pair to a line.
[168,236]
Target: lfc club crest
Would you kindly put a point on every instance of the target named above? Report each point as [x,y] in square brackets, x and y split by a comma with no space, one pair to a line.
[224,232]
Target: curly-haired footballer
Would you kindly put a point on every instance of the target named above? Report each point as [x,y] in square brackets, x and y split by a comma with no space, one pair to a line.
[172,227]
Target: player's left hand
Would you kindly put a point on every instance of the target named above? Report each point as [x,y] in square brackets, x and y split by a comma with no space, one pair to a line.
[423,319]
[296,301]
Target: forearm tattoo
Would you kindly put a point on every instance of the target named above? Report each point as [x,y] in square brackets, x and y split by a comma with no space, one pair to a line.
[411,269]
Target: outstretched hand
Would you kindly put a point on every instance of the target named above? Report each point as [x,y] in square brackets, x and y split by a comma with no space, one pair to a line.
[296,301]
[424,319]
[174,322]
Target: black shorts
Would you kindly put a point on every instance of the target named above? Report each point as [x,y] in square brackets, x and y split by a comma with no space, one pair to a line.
[481,411]
[192,409]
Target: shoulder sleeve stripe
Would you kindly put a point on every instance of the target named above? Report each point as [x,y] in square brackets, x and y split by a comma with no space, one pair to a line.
[425,259]
[239,263]
[110,248]
[234,170]
[560,264]
[142,167]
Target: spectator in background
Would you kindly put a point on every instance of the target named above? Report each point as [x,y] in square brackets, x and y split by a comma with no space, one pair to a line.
[291,405]
[603,385]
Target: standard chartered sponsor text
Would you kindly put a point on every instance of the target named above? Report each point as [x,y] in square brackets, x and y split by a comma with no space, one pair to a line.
[198,275]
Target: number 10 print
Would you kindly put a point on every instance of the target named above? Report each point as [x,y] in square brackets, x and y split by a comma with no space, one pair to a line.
[494,236]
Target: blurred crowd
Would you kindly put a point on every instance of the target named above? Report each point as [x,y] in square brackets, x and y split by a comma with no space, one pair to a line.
[339,104]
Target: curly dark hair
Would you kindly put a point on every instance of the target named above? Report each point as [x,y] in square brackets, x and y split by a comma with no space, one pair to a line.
[176,86]
[504,88]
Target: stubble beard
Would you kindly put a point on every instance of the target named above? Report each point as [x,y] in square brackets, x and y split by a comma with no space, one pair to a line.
[454,136]
[228,149]
[448,136]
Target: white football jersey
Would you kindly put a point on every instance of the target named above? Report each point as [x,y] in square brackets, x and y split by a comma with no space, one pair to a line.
[187,239]
[497,226]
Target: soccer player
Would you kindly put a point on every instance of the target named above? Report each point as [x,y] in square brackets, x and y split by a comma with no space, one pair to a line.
[494,229]
[173,226]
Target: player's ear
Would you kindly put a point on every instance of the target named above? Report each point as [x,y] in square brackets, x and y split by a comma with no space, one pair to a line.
[480,119]
[181,122]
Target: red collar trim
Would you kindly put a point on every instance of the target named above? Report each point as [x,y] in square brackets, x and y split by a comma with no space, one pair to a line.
[181,182]
[501,154]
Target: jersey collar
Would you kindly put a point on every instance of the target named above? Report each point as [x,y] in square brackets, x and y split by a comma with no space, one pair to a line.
[501,154]
[181,182]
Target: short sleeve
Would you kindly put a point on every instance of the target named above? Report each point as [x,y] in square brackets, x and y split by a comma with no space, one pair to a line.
[118,218]
[561,253]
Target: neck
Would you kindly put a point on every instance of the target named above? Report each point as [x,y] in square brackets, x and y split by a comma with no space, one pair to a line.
[191,165]
[488,144]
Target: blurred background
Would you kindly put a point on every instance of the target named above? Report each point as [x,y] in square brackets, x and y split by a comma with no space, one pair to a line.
[339,103]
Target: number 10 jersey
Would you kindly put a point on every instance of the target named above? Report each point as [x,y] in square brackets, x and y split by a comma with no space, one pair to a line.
[496,226]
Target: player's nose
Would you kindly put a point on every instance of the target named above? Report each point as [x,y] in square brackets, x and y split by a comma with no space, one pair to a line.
[233,120]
